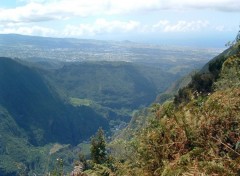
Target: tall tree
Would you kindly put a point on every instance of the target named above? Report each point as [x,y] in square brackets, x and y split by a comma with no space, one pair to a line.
[98,147]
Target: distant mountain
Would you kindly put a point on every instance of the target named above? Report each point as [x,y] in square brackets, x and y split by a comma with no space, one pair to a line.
[143,71]
[37,49]
[46,42]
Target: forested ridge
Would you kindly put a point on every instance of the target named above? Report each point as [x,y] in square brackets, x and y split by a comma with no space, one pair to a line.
[49,115]
[196,133]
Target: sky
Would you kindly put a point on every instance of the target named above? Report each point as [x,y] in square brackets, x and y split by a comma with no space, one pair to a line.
[206,23]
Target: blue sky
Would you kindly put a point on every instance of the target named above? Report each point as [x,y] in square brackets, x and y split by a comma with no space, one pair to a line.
[209,23]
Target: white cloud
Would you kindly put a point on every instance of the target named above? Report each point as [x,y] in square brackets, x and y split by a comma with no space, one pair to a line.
[29,30]
[32,12]
[101,26]
[180,26]
[128,6]
[221,5]
[29,1]
[43,10]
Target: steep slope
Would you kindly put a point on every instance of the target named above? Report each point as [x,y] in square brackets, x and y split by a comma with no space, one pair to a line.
[14,148]
[197,134]
[19,157]
[38,110]
[203,81]
[112,84]
[173,89]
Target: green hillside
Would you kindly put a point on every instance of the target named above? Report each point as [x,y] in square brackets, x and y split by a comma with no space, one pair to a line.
[35,113]
[48,108]
[113,89]
[19,157]
[195,134]
[32,116]
[38,110]
[112,84]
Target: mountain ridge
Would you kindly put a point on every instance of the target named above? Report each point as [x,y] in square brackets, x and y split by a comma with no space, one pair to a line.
[195,134]
[34,104]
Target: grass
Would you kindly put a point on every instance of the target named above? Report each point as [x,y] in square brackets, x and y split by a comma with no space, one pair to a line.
[85,149]
[80,102]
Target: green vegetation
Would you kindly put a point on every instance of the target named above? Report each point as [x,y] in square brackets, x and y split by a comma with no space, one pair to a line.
[48,112]
[98,148]
[39,110]
[174,88]
[32,116]
[80,102]
[112,89]
[110,84]
[85,149]
[196,134]
[202,82]
[19,157]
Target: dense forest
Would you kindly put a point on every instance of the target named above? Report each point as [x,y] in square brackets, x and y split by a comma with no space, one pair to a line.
[50,112]
[102,118]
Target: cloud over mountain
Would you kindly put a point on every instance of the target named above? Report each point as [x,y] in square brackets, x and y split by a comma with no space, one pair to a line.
[113,19]
[39,10]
